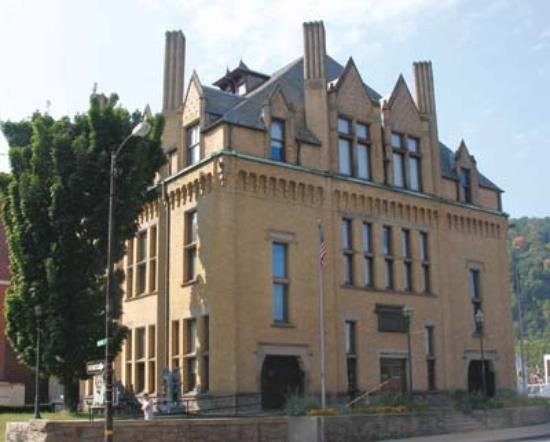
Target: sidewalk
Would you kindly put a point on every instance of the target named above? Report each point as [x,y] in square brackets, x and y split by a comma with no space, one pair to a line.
[506,434]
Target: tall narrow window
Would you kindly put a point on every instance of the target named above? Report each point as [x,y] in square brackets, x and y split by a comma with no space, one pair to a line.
[430,357]
[413,148]
[191,335]
[280,282]
[205,378]
[363,151]
[277,140]
[351,355]
[407,261]
[465,189]
[425,261]
[406,162]
[388,261]
[193,144]
[191,369]
[153,259]
[344,146]
[141,262]
[140,343]
[347,249]
[475,295]
[175,343]
[368,255]
[130,269]
[190,248]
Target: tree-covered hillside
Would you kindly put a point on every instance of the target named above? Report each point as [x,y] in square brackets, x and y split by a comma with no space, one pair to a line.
[529,246]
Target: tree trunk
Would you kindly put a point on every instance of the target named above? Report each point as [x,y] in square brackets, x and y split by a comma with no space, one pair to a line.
[71,394]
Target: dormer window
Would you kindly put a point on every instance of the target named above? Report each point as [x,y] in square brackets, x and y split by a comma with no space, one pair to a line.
[193,144]
[465,186]
[241,89]
[406,162]
[277,140]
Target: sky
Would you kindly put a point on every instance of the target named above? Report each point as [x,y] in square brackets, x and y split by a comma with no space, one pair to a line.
[491,62]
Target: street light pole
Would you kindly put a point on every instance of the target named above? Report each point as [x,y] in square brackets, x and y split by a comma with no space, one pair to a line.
[141,130]
[480,318]
[38,314]
[407,313]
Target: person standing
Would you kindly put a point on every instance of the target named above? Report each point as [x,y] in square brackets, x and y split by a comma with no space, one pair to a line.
[147,407]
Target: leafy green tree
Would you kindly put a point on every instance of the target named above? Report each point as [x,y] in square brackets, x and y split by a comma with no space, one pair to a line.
[55,208]
[529,245]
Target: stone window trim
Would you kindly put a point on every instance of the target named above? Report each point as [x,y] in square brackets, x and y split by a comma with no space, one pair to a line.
[146,358]
[281,236]
[407,154]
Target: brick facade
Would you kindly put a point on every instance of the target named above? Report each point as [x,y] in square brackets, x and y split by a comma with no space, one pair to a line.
[200,298]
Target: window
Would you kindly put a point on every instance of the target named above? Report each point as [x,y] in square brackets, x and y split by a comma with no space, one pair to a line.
[140,377]
[386,240]
[344,155]
[191,333]
[430,355]
[277,140]
[398,170]
[140,343]
[205,378]
[388,274]
[151,354]
[130,269]
[141,262]
[351,355]
[429,330]
[193,144]
[405,243]
[368,255]
[475,296]
[241,89]
[175,341]
[191,373]
[129,358]
[425,262]
[280,282]
[347,246]
[151,351]
[465,187]
[407,261]
[354,149]
[190,248]
[390,318]
[406,162]
[153,259]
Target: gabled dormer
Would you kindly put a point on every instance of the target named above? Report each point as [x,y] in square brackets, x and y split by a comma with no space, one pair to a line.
[468,177]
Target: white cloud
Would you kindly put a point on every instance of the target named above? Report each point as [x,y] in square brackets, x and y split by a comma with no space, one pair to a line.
[267,34]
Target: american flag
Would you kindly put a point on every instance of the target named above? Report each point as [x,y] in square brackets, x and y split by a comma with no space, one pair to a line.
[323,252]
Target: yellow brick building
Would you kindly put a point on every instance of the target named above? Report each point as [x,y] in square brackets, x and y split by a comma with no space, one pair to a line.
[222,280]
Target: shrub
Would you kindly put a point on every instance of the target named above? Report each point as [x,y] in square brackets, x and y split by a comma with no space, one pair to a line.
[299,405]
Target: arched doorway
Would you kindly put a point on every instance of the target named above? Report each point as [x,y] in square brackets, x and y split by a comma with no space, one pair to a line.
[281,377]
[475,378]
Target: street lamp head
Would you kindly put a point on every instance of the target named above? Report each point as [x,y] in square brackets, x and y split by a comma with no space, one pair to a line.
[479,317]
[141,129]
[407,311]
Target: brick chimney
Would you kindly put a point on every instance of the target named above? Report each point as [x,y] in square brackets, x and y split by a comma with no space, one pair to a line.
[425,101]
[174,65]
[315,82]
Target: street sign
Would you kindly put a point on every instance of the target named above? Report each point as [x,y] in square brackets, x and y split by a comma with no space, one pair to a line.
[101,342]
[95,367]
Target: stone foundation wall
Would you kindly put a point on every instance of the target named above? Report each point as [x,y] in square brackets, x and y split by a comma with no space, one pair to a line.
[353,428]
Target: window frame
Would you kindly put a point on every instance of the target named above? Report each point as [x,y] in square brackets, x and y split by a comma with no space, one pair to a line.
[282,282]
[346,233]
[406,154]
[282,124]
[193,149]
[190,248]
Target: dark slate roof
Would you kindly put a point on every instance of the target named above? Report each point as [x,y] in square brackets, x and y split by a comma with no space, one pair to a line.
[247,110]
[447,160]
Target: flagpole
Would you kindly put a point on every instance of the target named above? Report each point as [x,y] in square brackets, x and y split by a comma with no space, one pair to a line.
[322,323]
